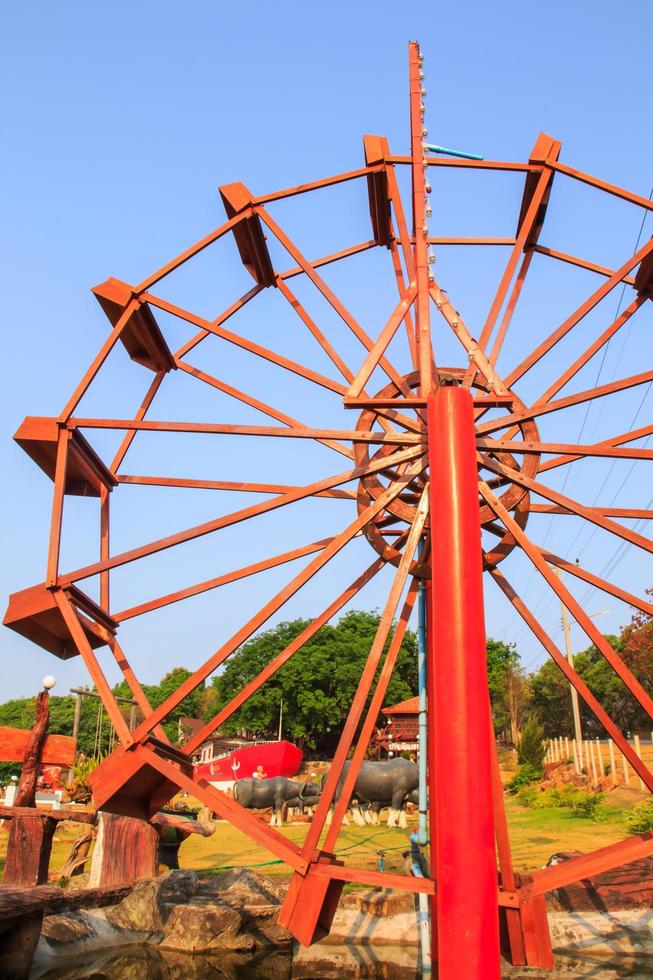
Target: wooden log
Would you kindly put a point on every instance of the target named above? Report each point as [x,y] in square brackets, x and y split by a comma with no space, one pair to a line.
[77,816]
[74,863]
[18,944]
[126,850]
[26,795]
[28,850]
[30,836]
[18,901]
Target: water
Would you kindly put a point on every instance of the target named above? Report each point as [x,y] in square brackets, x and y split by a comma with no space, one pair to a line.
[149,963]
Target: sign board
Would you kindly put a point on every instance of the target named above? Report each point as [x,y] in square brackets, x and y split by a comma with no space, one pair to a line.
[403,746]
[58,750]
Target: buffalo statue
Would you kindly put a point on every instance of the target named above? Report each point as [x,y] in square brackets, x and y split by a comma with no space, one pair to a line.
[389,783]
[259,794]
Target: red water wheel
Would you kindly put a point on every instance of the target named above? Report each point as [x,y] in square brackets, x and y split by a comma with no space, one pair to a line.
[444,462]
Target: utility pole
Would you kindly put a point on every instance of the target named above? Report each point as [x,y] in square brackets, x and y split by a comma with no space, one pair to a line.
[578,731]
[280,719]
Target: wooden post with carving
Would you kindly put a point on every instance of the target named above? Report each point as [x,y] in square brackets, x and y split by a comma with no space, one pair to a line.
[30,837]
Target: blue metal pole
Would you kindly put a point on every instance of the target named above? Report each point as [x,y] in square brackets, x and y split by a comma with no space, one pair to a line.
[452,153]
[422,833]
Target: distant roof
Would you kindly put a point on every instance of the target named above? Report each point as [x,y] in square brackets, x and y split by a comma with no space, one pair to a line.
[194,725]
[409,707]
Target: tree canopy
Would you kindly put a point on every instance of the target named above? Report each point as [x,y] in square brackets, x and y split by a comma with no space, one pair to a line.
[317,684]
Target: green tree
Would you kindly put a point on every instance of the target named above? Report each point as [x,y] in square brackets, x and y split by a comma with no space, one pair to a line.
[531,748]
[551,691]
[317,684]
[502,665]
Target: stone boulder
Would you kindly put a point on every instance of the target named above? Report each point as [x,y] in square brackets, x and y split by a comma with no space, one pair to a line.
[65,928]
[202,928]
[146,907]
[236,910]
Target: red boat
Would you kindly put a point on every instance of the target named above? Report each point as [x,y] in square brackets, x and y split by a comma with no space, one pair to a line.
[276,758]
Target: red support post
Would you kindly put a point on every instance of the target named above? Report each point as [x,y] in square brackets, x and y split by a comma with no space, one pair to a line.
[461,807]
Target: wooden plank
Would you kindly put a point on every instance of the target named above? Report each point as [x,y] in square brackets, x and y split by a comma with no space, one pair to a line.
[577,869]
[20,900]
[58,750]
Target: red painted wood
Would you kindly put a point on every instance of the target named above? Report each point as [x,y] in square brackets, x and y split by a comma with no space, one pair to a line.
[461,807]
[58,750]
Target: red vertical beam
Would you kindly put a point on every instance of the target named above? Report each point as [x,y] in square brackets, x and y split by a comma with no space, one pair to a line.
[420,230]
[104,546]
[461,808]
[56,519]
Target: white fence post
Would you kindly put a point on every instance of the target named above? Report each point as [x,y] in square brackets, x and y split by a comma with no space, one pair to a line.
[638,750]
[613,768]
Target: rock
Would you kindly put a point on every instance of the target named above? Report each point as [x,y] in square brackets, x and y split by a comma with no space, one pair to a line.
[197,928]
[145,909]
[174,965]
[379,901]
[629,886]
[245,885]
[257,898]
[64,928]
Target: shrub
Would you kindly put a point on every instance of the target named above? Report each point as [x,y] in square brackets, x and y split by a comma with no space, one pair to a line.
[79,790]
[531,745]
[583,803]
[640,818]
[527,774]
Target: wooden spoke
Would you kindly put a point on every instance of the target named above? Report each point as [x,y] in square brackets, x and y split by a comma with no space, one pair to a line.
[365,683]
[326,346]
[578,315]
[212,327]
[600,583]
[228,520]
[226,579]
[589,513]
[535,411]
[373,711]
[581,263]
[276,488]
[592,703]
[569,449]
[476,355]
[193,250]
[277,432]
[329,295]
[619,440]
[280,599]
[528,230]
[140,415]
[281,658]
[600,342]
[381,345]
[256,403]
[224,316]
[596,637]
[344,253]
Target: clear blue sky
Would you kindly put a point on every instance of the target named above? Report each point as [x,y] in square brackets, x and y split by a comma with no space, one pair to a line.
[121,120]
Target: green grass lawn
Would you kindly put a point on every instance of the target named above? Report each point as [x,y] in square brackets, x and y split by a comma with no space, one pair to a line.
[536,834]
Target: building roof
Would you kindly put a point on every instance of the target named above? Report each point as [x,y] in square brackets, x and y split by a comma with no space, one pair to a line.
[191,725]
[409,707]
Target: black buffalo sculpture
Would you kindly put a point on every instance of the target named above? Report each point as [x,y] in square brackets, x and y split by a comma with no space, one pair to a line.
[259,794]
[390,783]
